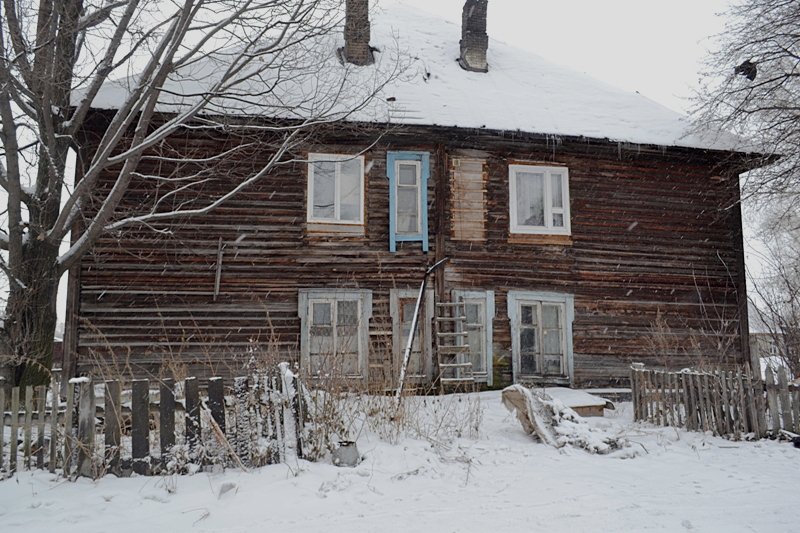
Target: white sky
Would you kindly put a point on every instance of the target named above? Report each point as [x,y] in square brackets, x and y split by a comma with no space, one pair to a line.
[649,46]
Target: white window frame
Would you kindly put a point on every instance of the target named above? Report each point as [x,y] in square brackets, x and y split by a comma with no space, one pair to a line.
[335,158]
[486,299]
[549,210]
[418,188]
[515,300]
[399,343]
[306,297]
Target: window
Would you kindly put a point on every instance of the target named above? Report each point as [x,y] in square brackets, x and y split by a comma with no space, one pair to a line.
[408,174]
[334,332]
[539,199]
[335,189]
[403,302]
[541,335]
[479,309]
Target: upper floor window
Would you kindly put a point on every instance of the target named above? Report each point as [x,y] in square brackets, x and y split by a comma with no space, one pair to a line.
[408,174]
[539,199]
[335,189]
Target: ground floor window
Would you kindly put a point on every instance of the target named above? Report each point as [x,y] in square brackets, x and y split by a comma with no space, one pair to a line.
[541,335]
[402,305]
[334,332]
[479,311]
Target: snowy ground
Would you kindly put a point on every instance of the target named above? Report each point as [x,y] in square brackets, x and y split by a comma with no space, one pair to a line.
[667,480]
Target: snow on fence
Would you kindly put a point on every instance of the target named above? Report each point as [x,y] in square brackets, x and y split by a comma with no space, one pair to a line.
[150,427]
[727,403]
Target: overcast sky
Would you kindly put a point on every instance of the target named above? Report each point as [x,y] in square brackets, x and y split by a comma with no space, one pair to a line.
[649,46]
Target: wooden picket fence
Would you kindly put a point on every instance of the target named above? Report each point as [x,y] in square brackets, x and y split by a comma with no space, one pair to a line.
[730,403]
[149,428]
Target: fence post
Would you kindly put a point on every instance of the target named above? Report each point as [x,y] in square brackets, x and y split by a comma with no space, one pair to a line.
[783,392]
[635,390]
[297,411]
[69,436]
[140,426]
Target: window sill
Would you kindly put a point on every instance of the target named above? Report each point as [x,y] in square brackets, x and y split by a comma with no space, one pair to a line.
[538,238]
[322,229]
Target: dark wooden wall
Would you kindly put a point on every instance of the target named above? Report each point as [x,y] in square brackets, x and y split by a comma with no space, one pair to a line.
[655,259]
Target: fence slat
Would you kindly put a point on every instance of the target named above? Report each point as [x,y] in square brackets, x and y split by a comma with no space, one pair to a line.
[216,401]
[772,401]
[113,426]
[27,426]
[13,442]
[41,393]
[69,442]
[796,409]
[192,412]
[783,395]
[2,422]
[140,425]
[166,415]
[54,401]
[86,428]
[716,401]
[243,444]
[752,404]
[727,414]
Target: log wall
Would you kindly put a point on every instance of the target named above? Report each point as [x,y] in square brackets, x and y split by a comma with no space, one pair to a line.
[655,259]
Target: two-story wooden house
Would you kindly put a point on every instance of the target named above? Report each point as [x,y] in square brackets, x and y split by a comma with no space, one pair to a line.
[585,229]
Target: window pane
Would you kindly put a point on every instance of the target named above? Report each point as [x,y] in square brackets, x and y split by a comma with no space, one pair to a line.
[552,365]
[350,190]
[529,350]
[407,212]
[321,314]
[550,316]
[475,338]
[552,341]
[473,311]
[555,190]
[528,314]
[407,174]
[558,220]
[530,199]
[324,189]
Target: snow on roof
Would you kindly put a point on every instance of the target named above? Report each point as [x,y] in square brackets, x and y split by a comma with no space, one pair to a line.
[521,91]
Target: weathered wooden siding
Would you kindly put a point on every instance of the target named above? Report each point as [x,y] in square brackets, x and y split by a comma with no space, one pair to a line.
[654,240]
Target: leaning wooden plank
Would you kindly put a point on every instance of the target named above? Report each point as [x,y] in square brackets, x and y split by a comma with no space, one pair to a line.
[216,401]
[634,394]
[243,443]
[86,428]
[688,415]
[772,401]
[701,403]
[140,425]
[796,409]
[113,426]
[745,424]
[192,413]
[761,405]
[27,426]
[678,399]
[783,396]
[166,415]
[13,442]
[41,396]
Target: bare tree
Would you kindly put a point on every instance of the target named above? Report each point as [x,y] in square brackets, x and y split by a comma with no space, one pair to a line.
[777,289]
[751,86]
[209,65]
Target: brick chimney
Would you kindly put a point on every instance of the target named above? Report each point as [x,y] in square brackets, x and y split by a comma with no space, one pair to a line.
[474,41]
[356,33]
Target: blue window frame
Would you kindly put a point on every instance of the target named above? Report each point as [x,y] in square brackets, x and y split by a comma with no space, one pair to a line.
[408,174]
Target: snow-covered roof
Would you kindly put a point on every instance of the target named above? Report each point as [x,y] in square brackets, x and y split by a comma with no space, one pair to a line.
[521,91]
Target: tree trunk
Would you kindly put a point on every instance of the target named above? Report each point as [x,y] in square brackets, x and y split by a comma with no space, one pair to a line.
[30,318]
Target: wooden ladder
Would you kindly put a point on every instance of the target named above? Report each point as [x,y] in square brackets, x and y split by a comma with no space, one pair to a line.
[452,350]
